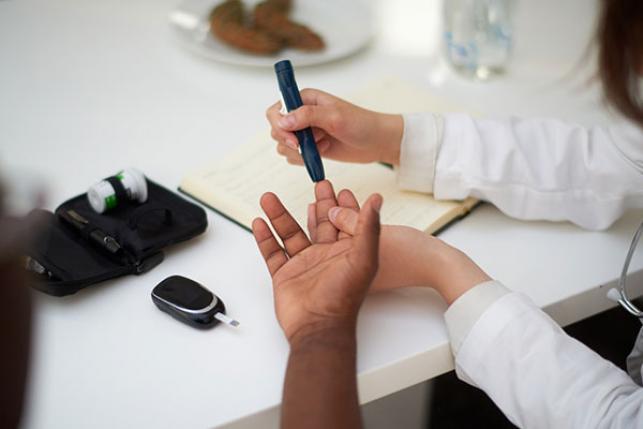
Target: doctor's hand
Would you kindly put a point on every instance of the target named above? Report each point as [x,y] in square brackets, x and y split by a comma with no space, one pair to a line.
[343,131]
[318,285]
[407,256]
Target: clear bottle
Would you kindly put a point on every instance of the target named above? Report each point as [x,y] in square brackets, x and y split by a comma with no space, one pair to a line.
[478,36]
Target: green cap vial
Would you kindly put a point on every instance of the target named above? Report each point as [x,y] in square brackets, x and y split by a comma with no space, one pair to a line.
[102,196]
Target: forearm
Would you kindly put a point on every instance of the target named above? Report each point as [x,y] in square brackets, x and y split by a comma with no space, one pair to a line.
[536,374]
[420,259]
[456,273]
[320,390]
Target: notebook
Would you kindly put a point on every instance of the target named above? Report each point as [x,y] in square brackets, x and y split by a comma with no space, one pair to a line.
[233,185]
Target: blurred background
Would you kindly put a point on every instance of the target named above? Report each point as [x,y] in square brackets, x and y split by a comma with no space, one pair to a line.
[144,76]
[82,70]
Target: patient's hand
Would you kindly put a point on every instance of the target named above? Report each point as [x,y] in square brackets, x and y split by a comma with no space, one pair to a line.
[318,285]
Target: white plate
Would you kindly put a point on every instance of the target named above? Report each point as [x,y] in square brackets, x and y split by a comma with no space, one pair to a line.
[345,25]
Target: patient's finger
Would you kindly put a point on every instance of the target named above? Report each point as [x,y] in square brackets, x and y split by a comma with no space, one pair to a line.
[291,234]
[325,199]
[344,219]
[367,232]
[312,222]
[346,199]
[271,251]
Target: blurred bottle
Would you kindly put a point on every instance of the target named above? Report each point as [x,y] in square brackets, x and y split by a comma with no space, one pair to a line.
[478,36]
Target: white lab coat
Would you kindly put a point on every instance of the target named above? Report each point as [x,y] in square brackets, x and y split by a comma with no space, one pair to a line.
[528,168]
[537,375]
[531,169]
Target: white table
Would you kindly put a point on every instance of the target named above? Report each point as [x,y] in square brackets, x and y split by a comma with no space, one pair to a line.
[89,87]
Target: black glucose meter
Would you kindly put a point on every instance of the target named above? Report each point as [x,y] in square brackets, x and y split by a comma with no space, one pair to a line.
[190,303]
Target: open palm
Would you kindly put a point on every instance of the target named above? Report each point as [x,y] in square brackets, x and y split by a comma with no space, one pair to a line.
[320,282]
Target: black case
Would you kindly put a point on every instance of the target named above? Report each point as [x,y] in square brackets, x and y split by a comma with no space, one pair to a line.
[142,230]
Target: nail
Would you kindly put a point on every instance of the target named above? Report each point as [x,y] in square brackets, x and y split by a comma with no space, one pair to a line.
[333,213]
[291,144]
[287,121]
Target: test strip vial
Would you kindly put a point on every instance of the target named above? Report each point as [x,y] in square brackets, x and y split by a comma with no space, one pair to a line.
[102,196]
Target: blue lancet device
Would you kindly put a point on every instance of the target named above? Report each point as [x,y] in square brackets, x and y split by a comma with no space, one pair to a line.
[292,99]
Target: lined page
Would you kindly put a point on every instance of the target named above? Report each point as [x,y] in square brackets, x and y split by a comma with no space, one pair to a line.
[235,185]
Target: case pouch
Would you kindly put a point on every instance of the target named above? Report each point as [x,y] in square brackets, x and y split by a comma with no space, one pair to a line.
[78,247]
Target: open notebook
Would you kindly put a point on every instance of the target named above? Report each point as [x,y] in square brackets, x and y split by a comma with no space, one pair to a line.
[233,185]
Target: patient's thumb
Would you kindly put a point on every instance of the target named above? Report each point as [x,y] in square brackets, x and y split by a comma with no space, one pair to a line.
[344,219]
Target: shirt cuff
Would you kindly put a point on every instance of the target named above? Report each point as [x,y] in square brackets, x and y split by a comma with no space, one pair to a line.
[465,311]
[418,151]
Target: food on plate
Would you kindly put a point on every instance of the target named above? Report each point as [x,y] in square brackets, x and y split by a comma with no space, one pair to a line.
[284,6]
[228,23]
[269,17]
[265,31]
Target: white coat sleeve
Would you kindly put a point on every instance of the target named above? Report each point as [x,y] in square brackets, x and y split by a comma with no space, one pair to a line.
[536,374]
[528,168]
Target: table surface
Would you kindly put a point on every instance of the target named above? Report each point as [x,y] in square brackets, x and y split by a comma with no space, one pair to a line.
[89,87]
